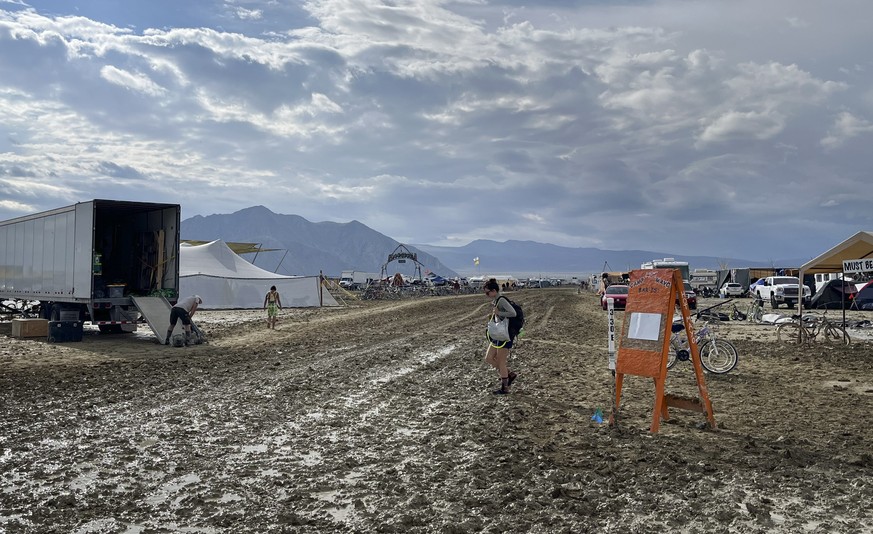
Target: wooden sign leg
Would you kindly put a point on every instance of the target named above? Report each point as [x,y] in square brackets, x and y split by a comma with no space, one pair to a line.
[660,408]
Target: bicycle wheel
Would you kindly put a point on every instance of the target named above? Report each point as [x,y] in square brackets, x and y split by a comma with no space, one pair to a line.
[790,333]
[671,358]
[718,356]
[835,335]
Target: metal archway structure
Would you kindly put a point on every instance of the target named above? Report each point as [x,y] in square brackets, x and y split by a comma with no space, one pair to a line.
[400,255]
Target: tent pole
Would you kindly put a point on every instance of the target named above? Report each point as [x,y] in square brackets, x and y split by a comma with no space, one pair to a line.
[800,305]
[280,261]
[843,299]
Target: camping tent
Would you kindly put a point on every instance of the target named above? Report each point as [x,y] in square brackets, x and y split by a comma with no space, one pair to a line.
[833,295]
[225,280]
[864,298]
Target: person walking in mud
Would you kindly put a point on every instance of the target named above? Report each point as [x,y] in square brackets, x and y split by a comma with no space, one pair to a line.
[604,283]
[272,303]
[497,355]
[184,310]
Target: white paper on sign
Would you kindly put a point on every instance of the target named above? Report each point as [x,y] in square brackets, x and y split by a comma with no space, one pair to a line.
[644,326]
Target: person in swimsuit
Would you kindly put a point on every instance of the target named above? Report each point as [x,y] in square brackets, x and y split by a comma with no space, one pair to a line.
[272,303]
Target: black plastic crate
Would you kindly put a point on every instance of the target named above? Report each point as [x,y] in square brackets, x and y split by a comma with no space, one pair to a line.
[64,331]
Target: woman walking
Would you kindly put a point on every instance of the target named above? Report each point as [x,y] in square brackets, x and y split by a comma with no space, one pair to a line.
[497,355]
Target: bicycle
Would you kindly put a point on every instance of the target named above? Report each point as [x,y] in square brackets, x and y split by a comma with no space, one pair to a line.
[736,314]
[755,311]
[811,328]
[718,356]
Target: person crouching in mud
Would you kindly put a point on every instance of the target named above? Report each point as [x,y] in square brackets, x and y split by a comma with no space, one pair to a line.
[497,355]
[184,310]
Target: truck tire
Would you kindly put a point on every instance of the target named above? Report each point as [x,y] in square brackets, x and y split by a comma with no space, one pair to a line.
[773,303]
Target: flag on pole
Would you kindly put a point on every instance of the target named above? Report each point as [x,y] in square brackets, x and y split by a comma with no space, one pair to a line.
[476,260]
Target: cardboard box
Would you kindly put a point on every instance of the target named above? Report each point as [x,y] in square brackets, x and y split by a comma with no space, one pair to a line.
[29,328]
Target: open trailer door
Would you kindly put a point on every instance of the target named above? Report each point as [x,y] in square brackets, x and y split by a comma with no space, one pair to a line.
[156,311]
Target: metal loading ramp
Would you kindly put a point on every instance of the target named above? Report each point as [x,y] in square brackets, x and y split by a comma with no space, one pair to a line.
[156,311]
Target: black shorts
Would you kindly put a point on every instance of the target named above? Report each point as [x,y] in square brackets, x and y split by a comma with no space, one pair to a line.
[179,313]
[500,344]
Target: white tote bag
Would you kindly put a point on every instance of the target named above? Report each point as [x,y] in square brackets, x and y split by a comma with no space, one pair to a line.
[498,329]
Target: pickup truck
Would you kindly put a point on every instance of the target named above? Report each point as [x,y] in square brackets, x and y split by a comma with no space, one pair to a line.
[782,290]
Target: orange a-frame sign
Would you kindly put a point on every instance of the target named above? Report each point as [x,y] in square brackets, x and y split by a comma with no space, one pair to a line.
[645,340]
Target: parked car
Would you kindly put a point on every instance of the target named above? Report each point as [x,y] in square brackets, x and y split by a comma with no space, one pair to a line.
[618,294]
[731,289]
[690,295]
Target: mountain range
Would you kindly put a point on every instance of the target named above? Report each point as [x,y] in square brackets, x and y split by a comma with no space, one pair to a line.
[307,248]
[304,247]
[529,258]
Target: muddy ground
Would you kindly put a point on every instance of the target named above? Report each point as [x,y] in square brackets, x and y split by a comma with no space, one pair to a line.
[379,417]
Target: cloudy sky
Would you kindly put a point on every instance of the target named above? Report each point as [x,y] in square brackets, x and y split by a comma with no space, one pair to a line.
[735,128]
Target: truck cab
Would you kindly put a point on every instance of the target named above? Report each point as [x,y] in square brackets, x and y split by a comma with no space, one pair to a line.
[782,290]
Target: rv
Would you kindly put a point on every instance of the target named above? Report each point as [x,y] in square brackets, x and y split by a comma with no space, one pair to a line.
[669,263]
[704,279]
[85,262]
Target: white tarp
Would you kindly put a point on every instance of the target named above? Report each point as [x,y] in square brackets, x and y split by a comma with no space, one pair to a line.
[225,280]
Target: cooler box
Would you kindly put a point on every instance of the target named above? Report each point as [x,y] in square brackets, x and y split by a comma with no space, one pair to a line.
[64,331]
[29,327]
[115,290]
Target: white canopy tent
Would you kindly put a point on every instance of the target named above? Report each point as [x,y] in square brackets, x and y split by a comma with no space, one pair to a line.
[225,280]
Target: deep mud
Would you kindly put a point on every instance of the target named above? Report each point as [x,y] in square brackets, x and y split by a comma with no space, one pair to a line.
[379,417]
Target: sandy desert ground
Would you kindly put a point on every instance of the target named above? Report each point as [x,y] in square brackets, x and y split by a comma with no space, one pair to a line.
[379,417]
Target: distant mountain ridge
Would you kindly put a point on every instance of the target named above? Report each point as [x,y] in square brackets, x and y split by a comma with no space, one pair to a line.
[531,257]
[305,247]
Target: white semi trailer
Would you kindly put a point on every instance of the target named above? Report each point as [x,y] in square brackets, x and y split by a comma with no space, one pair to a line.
[89,261]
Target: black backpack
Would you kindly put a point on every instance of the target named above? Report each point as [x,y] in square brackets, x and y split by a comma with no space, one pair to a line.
[515,323]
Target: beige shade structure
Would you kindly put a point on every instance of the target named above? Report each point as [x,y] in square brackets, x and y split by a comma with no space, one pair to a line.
[237,248]
[857,247]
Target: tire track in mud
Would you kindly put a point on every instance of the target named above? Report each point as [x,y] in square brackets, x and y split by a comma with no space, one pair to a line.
[260,458]
[251,388]
[356,430]
[337,318]
[544,320]
[374,406]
